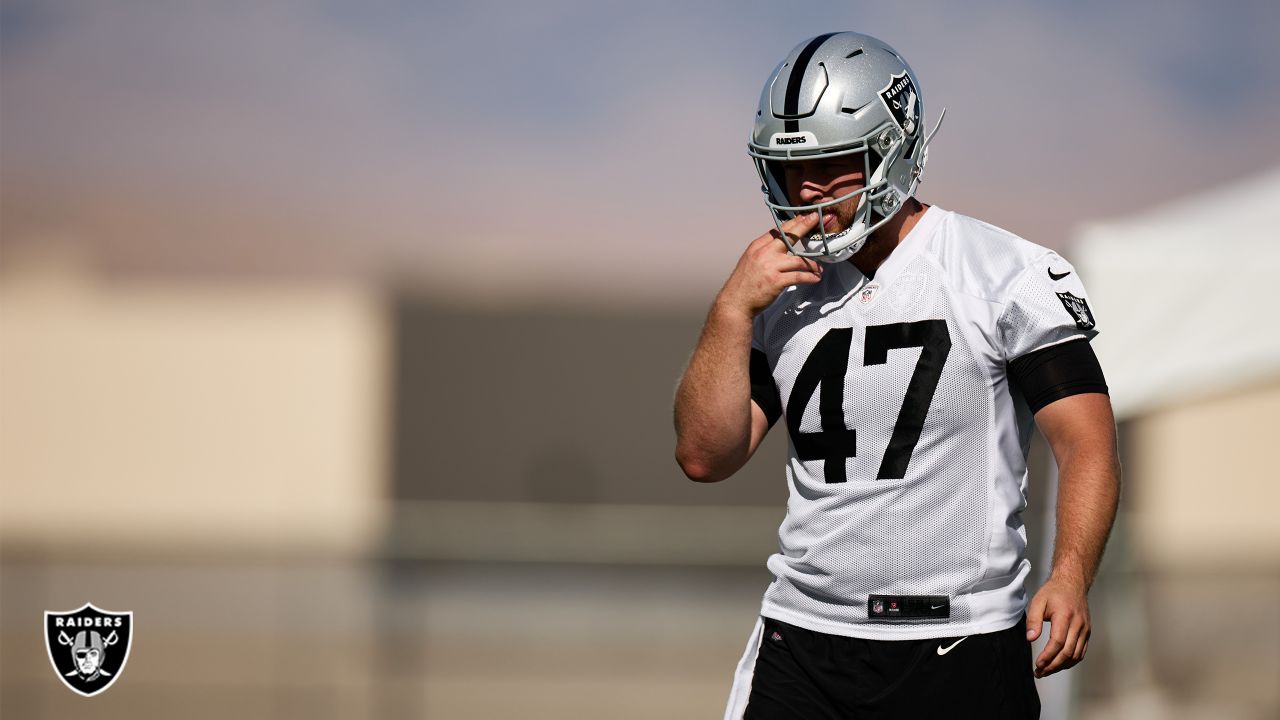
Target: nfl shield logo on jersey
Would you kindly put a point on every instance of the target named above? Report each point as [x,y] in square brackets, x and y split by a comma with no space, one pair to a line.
[1079,310]
[88,647]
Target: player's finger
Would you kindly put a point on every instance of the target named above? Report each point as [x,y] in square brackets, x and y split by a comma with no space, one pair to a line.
[1035,616]
[771,237]
[1057,636]
[795,262]
[800,223]
[794,232]
[1064,656]
[1082,643]
[799,278]
[768,239]
[1074,651]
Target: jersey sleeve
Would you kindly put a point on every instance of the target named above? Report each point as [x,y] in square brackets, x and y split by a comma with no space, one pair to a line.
[1047,305]
[764,390]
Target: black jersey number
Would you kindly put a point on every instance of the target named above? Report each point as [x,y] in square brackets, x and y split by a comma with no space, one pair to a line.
[827,365]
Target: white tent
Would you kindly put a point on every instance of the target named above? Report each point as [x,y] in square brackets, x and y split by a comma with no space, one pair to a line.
[1190,344]
[1183,295]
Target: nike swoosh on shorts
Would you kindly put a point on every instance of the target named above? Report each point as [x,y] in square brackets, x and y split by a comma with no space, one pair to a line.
[944,650]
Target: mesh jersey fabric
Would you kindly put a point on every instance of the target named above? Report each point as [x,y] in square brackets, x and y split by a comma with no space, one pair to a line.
[932,438]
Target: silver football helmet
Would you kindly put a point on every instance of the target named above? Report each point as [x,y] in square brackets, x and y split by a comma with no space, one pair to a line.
[841,94]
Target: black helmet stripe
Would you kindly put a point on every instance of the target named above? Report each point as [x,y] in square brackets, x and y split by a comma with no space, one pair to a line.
[791,105]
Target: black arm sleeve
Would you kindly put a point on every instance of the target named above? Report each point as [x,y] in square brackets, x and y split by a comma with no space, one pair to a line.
[1055,372]
[763,390]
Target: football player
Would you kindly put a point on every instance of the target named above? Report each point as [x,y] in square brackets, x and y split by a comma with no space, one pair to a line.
[908,350]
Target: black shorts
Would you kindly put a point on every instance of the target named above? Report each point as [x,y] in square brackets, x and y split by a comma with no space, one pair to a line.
[801,674]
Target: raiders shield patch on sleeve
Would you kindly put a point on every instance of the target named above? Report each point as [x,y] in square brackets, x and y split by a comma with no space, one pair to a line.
[1079,310]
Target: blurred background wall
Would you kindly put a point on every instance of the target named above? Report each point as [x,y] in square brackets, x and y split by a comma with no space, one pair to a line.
[337,340]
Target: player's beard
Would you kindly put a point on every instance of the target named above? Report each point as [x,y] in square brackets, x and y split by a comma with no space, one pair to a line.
[843,213]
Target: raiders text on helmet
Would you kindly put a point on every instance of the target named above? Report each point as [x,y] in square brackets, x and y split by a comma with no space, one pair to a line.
[841,94]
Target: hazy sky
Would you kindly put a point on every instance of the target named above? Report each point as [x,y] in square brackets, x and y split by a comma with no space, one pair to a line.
[590,147]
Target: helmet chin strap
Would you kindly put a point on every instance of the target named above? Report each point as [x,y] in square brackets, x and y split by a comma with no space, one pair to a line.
[816,242]
[844,254]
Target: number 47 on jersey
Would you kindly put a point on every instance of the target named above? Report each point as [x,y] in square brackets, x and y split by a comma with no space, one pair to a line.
[827,365]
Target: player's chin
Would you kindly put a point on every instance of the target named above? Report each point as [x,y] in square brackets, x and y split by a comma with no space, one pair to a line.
[843,220]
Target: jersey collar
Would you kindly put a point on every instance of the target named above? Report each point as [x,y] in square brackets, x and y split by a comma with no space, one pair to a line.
[901,255]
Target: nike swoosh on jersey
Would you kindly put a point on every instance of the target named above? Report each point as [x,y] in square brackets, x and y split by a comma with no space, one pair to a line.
[1055,276]
[944,650]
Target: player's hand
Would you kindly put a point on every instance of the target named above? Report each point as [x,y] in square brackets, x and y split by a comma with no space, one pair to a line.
[1064,605]
[766,268]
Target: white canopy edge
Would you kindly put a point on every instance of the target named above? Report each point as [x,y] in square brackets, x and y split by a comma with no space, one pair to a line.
[1187,296]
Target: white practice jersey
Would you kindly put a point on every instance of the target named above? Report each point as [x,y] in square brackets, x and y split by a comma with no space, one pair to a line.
[907,453]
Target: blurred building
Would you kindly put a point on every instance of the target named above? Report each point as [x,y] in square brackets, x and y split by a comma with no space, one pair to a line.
[208,454]
[207,413]
[1192,356]
[327,498]
[322,498]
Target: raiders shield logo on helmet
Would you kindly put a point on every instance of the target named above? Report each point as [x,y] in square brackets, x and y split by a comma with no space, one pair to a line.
[1079,310]
[903,102]
[88,647]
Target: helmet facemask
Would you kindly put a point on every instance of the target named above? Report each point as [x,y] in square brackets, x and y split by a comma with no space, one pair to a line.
[878,200]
